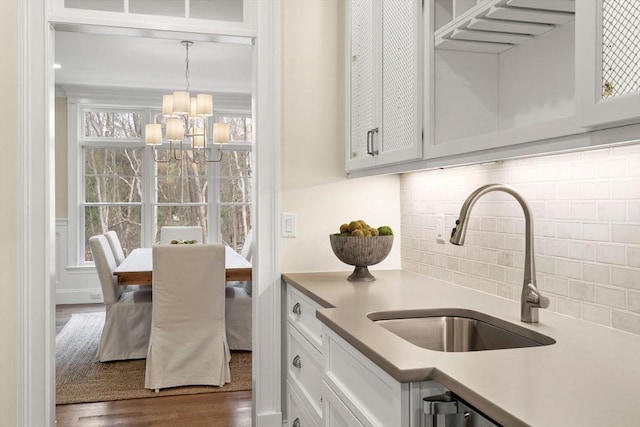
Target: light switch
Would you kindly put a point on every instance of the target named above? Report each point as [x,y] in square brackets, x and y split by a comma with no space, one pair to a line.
[289,221]
[440,228]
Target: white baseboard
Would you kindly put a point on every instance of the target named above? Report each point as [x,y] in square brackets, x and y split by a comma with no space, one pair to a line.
[78,296]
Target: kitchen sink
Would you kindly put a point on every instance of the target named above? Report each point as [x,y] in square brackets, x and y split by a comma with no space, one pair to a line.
[456,330]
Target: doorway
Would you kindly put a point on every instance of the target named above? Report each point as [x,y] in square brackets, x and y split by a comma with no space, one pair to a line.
[35,268]
[111,85]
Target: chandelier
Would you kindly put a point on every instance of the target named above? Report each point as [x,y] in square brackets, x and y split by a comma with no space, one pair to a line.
[186,119]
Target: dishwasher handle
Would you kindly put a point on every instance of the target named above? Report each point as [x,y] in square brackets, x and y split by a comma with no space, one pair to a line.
[443,411]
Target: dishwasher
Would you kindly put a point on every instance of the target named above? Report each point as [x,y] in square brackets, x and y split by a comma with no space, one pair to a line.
[448,410]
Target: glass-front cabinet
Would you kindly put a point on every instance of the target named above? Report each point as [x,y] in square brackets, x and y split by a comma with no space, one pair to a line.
[608,62]
[502,79]
[384,82]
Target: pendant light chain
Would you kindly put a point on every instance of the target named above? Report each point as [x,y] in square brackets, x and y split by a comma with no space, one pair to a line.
[186,44]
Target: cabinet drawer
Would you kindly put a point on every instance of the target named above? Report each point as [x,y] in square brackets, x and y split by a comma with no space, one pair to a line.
[304,369]
[301,313]
[371,394]
[298,415]
[336,414]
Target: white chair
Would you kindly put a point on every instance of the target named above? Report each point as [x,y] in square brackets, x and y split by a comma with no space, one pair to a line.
[247,253]
[116,246]
[238,317]
[169,233]
[127,325]
[238,306]
[247,246]
[188,344]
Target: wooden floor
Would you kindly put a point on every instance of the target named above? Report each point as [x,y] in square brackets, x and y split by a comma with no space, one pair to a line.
[231,409]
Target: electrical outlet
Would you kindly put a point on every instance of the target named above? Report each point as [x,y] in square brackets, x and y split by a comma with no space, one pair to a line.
[440,228]
[95,295]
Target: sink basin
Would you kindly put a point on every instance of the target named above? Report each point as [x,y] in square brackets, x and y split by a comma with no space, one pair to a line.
[455,330]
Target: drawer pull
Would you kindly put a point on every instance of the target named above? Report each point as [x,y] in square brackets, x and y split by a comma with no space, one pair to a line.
[296,423]
[297,362]
[297,309]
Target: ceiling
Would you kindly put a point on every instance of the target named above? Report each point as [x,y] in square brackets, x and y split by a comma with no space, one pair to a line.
[100,60]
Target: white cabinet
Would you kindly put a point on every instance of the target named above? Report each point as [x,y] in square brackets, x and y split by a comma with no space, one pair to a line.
[608,62]
[336,412]
[501,74]
[360,388]
[303,361]
[384,82]
[298,414]
[508,78]
[335,385]
[520,77]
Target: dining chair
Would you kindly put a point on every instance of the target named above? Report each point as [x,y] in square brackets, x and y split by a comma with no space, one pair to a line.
[127,324]
[118,254]
[247,246]
[169,233]
[116,246]
[238,306]
[188,345]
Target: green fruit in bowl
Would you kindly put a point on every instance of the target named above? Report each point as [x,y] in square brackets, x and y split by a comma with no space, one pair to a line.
[360,228]
[385,230]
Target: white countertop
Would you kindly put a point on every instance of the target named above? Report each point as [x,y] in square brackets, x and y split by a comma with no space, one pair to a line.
[589,377]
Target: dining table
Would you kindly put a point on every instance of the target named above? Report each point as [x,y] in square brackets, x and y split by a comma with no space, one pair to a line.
[137,267]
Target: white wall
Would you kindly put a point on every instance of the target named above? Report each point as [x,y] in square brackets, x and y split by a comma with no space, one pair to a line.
[586,207]
[8,213]
[314,183]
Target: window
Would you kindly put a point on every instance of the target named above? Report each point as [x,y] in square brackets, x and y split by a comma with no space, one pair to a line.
[112,156]
[235,183]
[123,189]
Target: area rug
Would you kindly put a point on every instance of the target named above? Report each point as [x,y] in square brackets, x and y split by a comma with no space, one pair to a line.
[81,378]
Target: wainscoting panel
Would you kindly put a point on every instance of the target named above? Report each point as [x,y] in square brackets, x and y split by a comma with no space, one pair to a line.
[74,284]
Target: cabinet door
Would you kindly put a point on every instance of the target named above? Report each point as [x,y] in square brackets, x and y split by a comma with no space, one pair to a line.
[297,413]
[607,64]
[336,413]
[400,137]
[384,82]
[362,84]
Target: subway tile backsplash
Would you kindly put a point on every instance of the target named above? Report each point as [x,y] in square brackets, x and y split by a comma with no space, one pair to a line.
[586,208]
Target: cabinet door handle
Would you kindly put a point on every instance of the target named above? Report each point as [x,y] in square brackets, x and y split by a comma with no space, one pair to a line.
[297,309]
[370,149]
[297,362]
[296,423]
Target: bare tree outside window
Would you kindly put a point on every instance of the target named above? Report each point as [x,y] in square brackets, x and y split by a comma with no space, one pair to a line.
[181,193]
[113,168]
[236,184]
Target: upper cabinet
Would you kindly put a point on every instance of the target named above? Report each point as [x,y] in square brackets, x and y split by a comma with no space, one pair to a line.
[502,74]
[608,58]
[504,78]
[384,82]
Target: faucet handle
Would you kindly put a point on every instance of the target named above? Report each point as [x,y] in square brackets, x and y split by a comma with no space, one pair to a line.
[535,299]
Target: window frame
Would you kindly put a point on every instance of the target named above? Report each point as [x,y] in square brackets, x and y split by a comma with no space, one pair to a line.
[76,144]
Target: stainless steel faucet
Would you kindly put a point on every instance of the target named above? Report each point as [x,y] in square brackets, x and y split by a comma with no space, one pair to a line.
[530,299]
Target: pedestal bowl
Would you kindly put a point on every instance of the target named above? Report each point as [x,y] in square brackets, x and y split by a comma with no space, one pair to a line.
[361,252]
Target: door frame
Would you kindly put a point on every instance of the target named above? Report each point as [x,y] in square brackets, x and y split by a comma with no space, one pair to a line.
[36,217]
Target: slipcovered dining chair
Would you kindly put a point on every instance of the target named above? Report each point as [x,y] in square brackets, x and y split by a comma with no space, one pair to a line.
[127,325]
[169,233]
[116,246]
[238,306]
[118,254]
[188,344]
